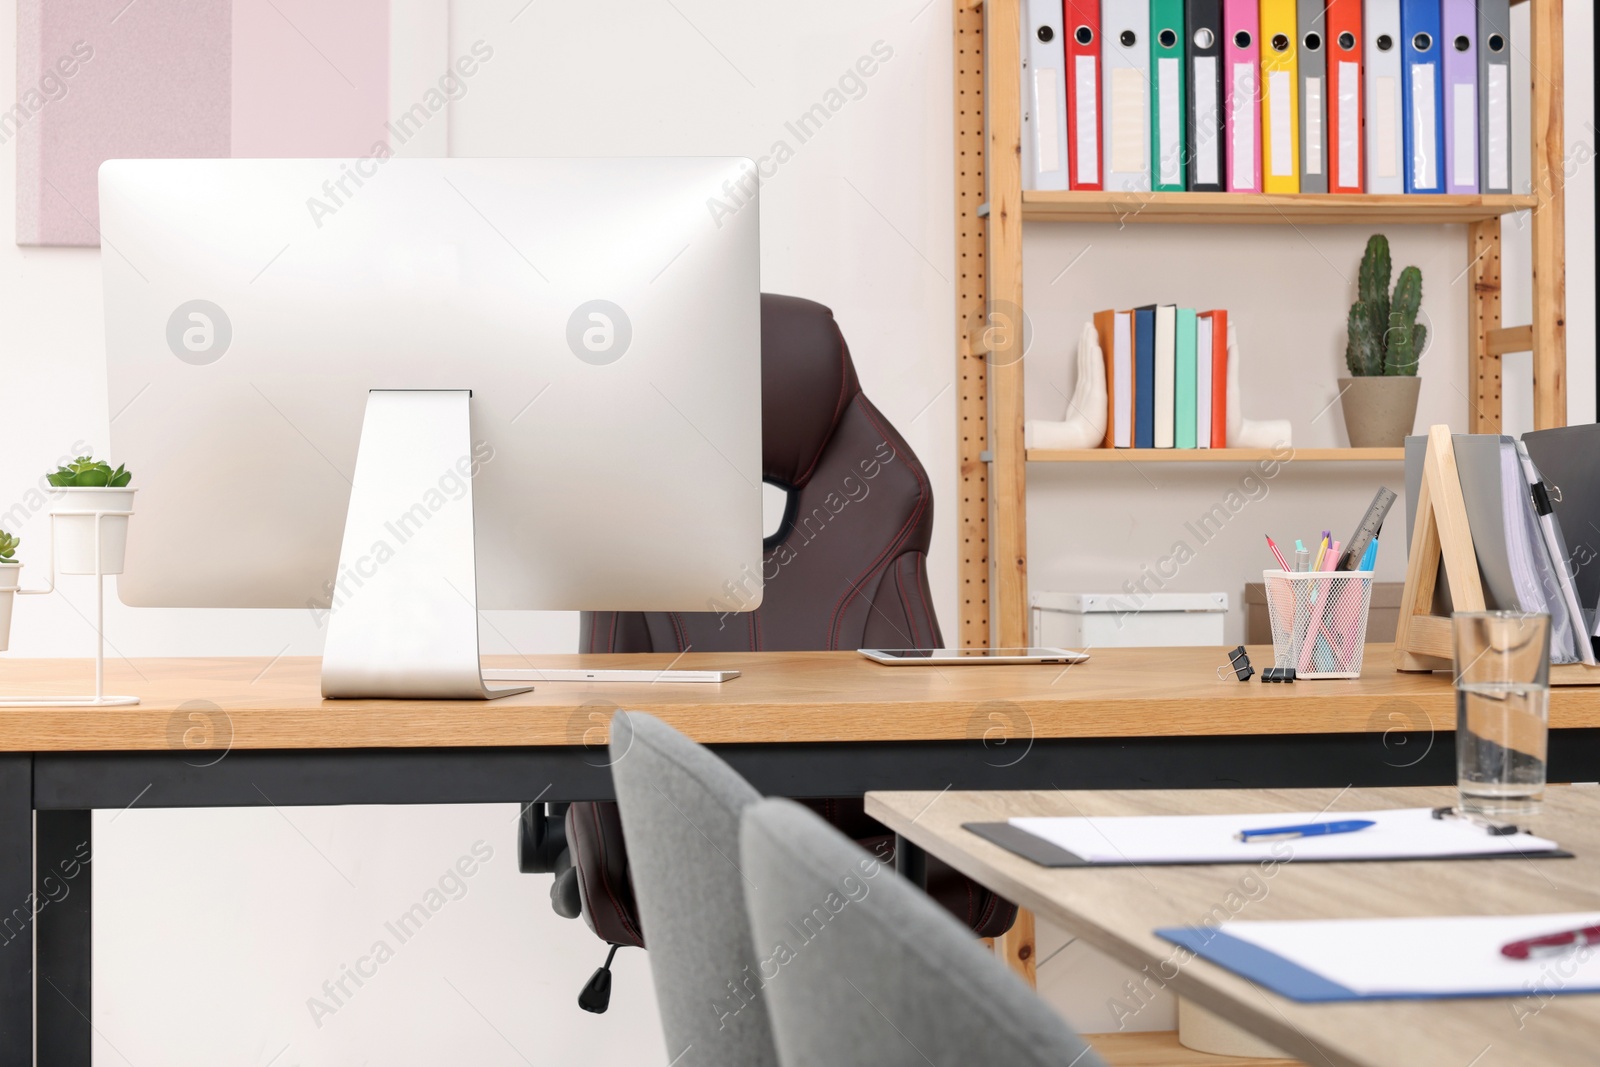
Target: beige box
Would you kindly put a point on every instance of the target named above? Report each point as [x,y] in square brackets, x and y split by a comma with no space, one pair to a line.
[1382,617]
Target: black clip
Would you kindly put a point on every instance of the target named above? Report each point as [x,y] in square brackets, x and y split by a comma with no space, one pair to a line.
[1240,664]
[1278,674]
[1492,828]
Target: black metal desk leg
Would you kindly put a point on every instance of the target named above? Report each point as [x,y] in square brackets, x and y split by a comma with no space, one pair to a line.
[62,936]
[911,862]
[16,909]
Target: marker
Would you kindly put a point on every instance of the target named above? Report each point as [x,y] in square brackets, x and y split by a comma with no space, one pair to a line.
[1310,829]
[1552,944]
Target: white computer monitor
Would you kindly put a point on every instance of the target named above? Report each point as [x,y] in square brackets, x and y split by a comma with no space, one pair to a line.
[603,313]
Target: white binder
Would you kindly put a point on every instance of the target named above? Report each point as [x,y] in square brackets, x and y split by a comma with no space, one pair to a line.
[1044,97]
[1386,157]
[1204,339]
[1125,93]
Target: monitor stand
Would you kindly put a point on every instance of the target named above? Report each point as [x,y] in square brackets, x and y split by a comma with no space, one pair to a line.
[404,623]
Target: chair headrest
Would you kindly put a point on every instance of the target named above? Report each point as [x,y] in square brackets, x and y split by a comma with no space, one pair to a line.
[807,382]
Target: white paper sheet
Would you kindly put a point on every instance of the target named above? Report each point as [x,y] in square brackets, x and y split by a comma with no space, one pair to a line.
[1048,146]
[1283,146]
[1401,833]
[1424,128]
[1428,956]
[1313,126]
[1243,122]
[1499,124]
[1170,151]
[1128,107]
[1386,118]
[1208,170]
[1088,84]
[1464,135]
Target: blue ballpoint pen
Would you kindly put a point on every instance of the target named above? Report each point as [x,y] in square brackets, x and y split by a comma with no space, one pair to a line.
[1310,829]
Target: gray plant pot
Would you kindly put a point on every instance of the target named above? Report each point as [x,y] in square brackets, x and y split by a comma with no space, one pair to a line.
[1379,412]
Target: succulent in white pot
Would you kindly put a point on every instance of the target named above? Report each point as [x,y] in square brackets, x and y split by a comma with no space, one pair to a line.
[80,489]
[10,574]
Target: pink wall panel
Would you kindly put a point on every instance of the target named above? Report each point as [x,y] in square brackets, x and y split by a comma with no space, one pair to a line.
[310,77]
[148,80]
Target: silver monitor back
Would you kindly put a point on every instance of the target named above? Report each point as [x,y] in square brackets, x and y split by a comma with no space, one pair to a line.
[605,318]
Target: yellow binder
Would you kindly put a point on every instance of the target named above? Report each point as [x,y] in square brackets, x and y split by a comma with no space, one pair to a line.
[1280,98]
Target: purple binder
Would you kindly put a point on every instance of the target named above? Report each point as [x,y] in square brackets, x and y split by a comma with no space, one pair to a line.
[1459,25]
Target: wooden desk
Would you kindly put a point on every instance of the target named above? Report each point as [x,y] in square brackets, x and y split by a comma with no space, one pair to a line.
[252,732]
[1116,910]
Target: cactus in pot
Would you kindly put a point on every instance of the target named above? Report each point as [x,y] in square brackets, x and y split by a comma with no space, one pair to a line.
[1383,347]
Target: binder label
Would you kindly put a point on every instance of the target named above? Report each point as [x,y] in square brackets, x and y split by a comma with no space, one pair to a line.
[1208,170]
[1350,125]
[1499,125]
[1464,161]
[1314,126]
[1386,116]
[1127,120]
[1088,119]
[1242,119]
[1424,126]
[1171,148]
[1278,102]
[1047,144]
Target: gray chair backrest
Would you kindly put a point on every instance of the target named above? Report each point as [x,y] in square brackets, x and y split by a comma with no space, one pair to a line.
[680,811]
[861,968]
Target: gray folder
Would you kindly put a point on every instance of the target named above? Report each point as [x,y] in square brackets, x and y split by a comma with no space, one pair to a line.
[1569,459]
[1313,105]
[1494,97]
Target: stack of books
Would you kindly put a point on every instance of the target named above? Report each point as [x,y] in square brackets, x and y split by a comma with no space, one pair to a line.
[1166,377]
[1275,96]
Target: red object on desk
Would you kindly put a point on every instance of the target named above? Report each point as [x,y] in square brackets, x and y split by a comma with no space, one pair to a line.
[1552,944]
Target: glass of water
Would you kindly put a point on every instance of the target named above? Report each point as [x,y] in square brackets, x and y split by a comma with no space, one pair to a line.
[1502,672]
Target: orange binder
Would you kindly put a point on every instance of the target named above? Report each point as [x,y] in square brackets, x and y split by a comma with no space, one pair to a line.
[1219,379]
[1105,325]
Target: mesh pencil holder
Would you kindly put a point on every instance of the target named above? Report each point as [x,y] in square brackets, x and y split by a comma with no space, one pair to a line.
[1319,621]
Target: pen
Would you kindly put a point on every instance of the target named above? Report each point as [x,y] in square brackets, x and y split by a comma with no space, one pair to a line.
[1276,554]
[1370,557]
[1322,550]
[1330,559]
[1310,829]
[1552,944]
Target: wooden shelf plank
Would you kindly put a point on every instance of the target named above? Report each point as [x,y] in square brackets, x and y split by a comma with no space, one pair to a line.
[1216,455]
[1301,209]
[1160,1048]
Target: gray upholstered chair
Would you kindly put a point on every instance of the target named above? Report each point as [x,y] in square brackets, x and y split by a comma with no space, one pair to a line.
[862,969]
[680,808]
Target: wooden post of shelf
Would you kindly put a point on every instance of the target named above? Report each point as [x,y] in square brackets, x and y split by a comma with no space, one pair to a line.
[1483,326]
[1018,948]
[972,367]
[1006,326]
[1549,217]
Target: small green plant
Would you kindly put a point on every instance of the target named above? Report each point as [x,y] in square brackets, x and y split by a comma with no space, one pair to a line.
[88,472]
[1385,337]
[8,547]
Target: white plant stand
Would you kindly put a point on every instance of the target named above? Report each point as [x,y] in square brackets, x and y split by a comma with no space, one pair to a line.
[99,699]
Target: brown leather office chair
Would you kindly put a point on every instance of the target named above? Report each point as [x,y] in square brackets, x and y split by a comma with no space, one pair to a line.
[846,569]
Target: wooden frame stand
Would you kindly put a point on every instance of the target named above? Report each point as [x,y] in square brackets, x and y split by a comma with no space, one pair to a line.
[1442,534]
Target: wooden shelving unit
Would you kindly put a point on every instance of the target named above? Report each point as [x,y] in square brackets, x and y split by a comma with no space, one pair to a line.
[1216,455]
[1299,209]
[991,208]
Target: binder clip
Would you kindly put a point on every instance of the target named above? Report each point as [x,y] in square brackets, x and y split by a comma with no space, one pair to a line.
[1239,663]
[1490,826]
[1277,674]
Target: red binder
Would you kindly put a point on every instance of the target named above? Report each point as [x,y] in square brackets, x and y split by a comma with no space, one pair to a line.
[1219,378]
[1345,137]
[1081,22]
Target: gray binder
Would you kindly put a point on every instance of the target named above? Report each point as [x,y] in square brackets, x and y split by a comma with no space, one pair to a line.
[1313,95]
[1569,459]
[1494,96]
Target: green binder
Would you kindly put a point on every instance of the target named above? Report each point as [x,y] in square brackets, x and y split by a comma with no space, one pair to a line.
[1183,399]
[1168,163]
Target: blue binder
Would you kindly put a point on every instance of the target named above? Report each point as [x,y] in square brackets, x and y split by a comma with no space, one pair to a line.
[1422,93]
[1144,377]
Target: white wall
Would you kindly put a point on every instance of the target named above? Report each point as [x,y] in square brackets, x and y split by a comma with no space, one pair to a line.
[213,928]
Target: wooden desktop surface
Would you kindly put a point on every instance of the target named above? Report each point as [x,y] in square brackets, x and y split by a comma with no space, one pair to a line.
[1117,908]
[780,697]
